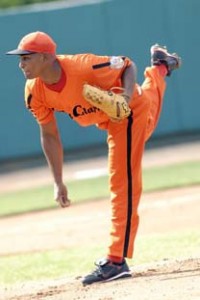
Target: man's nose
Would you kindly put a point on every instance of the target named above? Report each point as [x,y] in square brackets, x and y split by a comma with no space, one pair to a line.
[21,65]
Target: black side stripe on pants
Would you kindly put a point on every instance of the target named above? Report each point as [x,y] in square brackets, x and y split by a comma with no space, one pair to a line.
[129,177]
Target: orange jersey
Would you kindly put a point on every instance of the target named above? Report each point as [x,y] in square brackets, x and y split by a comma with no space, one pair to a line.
[78,69]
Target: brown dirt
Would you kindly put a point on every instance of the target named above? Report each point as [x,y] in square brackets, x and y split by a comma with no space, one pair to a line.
[169,280]
[160,212]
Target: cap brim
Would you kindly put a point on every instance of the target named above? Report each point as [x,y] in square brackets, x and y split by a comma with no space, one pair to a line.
[19,52]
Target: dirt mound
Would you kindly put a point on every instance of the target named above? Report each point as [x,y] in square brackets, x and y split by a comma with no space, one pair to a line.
[166,280]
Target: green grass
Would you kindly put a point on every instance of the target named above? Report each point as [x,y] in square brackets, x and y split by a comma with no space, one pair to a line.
[157,247]
[158,178]
[42,198]
[75,262]
[177,175]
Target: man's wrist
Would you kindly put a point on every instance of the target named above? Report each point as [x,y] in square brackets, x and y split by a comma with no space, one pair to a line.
[126,97]
[58,182]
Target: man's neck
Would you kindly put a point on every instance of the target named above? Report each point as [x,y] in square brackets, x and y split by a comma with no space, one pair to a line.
[58,86]
[52,74]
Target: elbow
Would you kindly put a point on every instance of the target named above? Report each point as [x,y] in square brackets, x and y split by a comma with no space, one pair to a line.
[133,70]
[130,73]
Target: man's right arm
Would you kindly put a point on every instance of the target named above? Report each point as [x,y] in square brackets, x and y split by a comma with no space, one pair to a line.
[53,150]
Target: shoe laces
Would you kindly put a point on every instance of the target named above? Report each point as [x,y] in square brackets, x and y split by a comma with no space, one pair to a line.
[97,271]
[100,269]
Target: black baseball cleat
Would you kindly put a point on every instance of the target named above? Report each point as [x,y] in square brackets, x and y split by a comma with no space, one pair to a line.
[107,271]
[160,55]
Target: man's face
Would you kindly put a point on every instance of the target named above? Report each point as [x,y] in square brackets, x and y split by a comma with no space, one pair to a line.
[32,65]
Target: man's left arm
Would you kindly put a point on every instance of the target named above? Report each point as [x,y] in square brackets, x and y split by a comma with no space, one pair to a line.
[129,77]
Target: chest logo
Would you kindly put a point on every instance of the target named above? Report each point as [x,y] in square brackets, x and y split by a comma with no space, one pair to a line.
[79,111]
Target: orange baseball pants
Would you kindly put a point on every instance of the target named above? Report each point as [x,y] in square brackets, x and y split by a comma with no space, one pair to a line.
[126,142]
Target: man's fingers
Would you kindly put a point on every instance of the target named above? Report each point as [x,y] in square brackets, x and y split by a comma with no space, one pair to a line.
[63,201]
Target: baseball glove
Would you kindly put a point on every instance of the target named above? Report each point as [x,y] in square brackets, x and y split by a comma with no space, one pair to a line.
[112,103]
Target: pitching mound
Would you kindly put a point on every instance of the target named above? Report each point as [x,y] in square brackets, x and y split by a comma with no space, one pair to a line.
[167,280]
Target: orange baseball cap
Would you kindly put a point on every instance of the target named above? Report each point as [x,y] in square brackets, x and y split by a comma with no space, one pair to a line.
[35,42]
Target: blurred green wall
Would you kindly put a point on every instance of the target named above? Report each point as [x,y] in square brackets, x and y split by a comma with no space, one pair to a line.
[124,27]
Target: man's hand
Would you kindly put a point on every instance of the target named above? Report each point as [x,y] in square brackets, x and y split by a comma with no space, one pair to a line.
[61,195]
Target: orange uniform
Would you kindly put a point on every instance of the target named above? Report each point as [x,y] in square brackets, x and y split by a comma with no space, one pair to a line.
[78,70]
[126,139]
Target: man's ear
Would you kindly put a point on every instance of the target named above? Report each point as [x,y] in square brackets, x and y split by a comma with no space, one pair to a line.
[44,57]
[47,57]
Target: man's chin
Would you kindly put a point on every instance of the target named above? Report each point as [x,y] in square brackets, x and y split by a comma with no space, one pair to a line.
[28,76]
